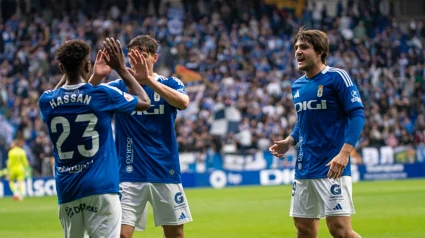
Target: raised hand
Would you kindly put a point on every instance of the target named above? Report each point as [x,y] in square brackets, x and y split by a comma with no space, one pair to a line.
[140,70]
[114,57]
[100,68]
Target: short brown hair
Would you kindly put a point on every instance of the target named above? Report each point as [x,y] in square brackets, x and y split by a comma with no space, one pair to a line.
[144,43]
[72,54]
[318,39]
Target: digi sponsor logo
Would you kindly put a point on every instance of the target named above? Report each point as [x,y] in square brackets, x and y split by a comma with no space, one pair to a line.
[310,105]
[153,110]
[178,198]
[71,211]
[276,176]
[355,96]
[336,189]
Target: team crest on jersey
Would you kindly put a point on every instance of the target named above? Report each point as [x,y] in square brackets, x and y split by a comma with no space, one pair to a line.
[156,97]
[128,97]
[320,91]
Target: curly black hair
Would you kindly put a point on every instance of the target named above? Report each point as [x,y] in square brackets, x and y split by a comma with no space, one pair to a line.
[144,43]
[72,54]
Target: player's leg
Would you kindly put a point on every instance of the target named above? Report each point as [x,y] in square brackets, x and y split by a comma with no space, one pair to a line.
[134,197]
[13,175]
[173,231]
[21,179]
[140,225]
[340,227]
[102,215]
[171,209]
[305,209]
[72,220]
[336,196]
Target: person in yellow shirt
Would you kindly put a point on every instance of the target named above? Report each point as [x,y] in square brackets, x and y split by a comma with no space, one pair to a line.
[16,164]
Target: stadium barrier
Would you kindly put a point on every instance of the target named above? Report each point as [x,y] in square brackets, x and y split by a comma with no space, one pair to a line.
[262,169]
[224,178]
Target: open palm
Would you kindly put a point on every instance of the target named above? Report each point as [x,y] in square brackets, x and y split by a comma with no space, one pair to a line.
[100,67]
[139,69]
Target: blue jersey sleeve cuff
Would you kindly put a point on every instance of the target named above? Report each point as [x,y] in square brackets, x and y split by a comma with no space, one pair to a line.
[295,136]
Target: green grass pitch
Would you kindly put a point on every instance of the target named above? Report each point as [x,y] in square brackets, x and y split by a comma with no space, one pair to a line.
[387,209]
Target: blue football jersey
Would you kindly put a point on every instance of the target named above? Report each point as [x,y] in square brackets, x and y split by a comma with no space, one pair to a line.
[78,119]
[322,104]
[146,140]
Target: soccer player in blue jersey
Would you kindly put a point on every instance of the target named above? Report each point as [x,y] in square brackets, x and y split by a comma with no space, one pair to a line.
[147,148]
[330,120]
[78,117]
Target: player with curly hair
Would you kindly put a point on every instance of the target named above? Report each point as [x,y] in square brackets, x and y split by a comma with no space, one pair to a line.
[78,117]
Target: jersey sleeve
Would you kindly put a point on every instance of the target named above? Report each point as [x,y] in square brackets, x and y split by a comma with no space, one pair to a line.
[176,84]
[347,91]
[118,101]
[41,105]
[119,83]
[296,132]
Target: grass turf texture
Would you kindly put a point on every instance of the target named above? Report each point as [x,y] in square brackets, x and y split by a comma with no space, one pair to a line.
[384,209]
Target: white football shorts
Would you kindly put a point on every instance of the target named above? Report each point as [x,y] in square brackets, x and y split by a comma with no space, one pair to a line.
[169,204]
[97,216]
[318,198]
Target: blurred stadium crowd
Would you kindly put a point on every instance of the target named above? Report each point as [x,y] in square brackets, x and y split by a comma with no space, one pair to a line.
[242,49]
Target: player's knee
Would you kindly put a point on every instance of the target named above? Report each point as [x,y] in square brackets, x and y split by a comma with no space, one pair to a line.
[173,231]
[126,234]
[305,230]
[339,231]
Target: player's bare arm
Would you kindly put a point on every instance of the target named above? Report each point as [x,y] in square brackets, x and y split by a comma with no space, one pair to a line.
[141,73]
[115,59]
[172,96]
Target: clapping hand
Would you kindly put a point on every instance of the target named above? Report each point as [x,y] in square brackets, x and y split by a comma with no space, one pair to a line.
[114,57]
[140,70]
[100,68]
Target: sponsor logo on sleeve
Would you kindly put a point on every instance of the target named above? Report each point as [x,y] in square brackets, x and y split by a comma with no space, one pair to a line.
[355,96]
[128,97]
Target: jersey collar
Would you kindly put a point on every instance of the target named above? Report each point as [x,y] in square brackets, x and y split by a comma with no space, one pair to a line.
[72,87]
